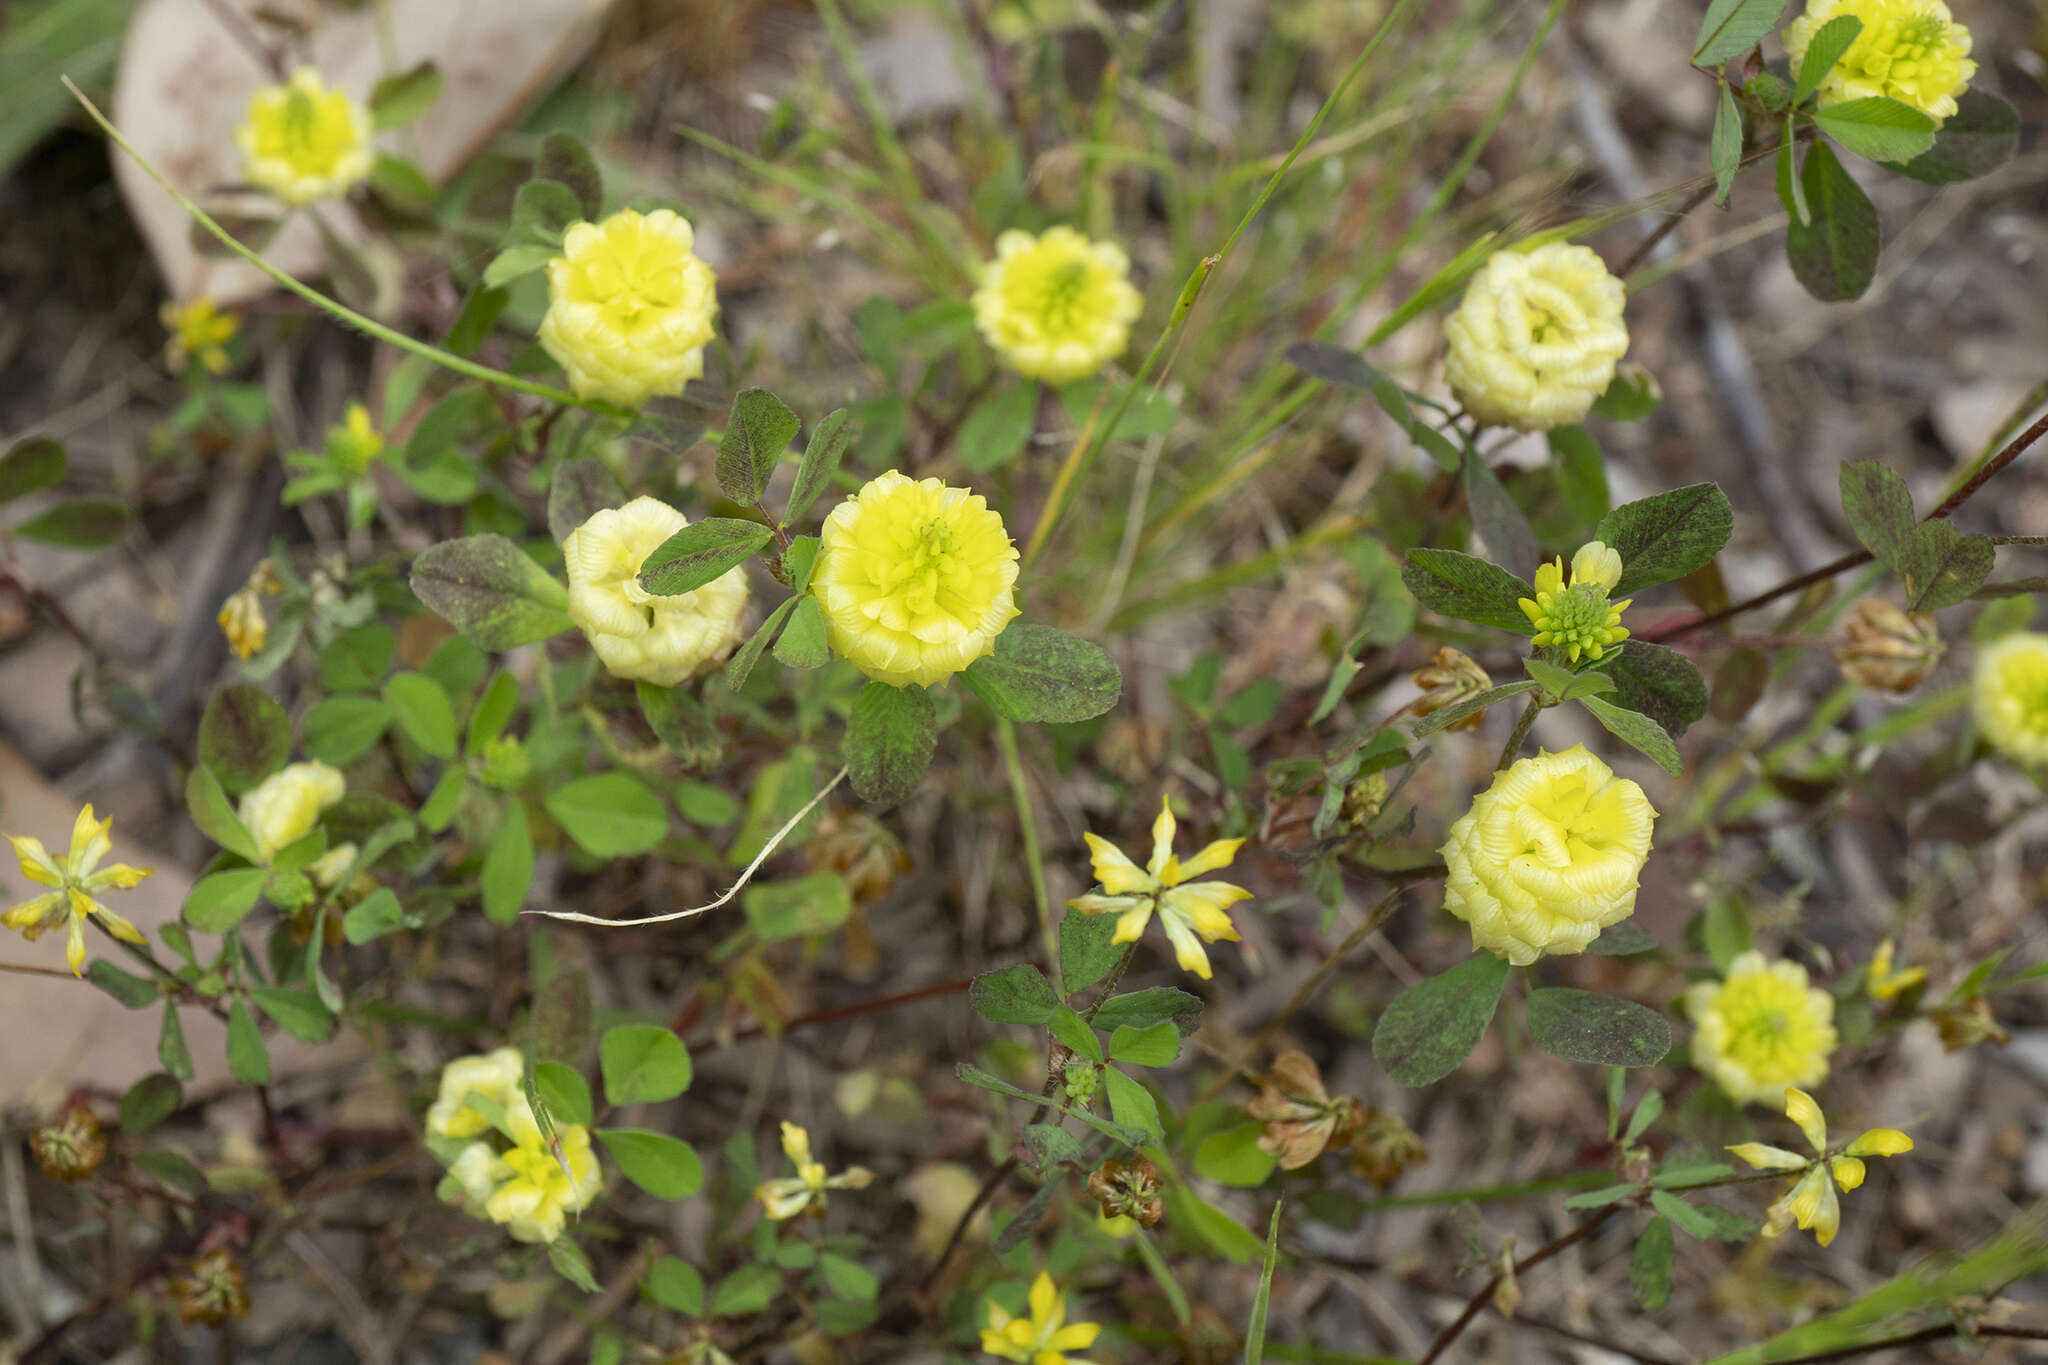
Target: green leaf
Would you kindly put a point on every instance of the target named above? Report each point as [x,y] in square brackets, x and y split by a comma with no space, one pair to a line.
[1158,1045]
[889,740]
[1224,1234]
[565,160]
[372,917]
[507,873]
[1040,673]
[746,1291]
[578,491]
[542,211]
[665,1167]
[398,99]
[1977,139]
[296,1012]
[487,588]
[1733,27]
[798,908]
[1823,50]
[1072,1030]
[676,1286]
[1879,509]
[1633,395]
[1605,1195]
[1792,190]
[1469,589]
[701,552]
[1143,1009]
[1647,1110]
[83,524]
[974,1075]
[437,461]
[1649,1268]
[1581,472]
[757,430]
[1877,128]
[1666,536]
[1636,730]
[1622,940]
[131,990]
[563,1092]
[828,443]
[741,666]
[1451,715]
[517,262]
[1013,995]
[149,1102]
[609,815]
[357,660]
[681,723]
[1942,566]
[170,1044]
[1724,147]
[221,900]
[1255,1331]
[245,736]
[572,1264]
[1580,1026]
[479,314]
[208,806]
[643,1064]
[1552,678]
[30,466]
[1500,523]
[999,427]
[1131,1104]
[174,1171]
[248,1062]
[1433,1025]
[1835,255]
[1047,1145]
[487,720]
[803,641]
[1233,1157]
[1682,1213]
[1659,682]
[423,712]
[848,1279]
[341,729]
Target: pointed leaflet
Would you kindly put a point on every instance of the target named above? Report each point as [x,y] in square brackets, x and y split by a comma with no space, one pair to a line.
[1637,730]
[1666,536]
[1823,50]
[1732,27]
[700,552]
[1879,129]
[567,161]
[1879,508]
[757,430]
[1724,148]
[829,440]
[1469,589]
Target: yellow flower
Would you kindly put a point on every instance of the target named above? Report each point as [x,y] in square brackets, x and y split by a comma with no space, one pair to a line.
[1548,856]
[78,880]
[786,1198]
[1578,620]
[1911,51]
[200,332]
[1191,911]
[283,808]
[916,579]
[629,307]
[1536,338]
[301,141]
[2010,693]
[1883,982]
[243,624]
[639,634]
[353,443]
[545,1185]
[1057,307]
[1811,1201]
[1043,1336]
[499,1078]
[1761,1029]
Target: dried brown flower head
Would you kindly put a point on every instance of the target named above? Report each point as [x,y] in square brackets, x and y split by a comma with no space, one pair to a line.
[72,1147]
[1301,1117]
[1128,1191]
[1888,650]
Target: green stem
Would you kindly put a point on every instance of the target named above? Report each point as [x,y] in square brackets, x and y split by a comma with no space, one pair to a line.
[1513,750]
[447,360]
[1013,763]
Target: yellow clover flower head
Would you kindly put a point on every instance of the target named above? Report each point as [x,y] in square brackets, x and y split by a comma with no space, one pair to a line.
[1536,338]
[536,1181]
[283,808]
[301,141]
[639,634]
[1912,51]
[1548,856]
[1043,1336]
[1057,306]
[916,578]
[805,1192]
[496,1076]
[1761,1029]
[76,881]
[1811,1200]
[1192,912]
[543,1184]
[199,332]
[243,624]
[629,307]
[353,443]
[2009,692]
[1578,620]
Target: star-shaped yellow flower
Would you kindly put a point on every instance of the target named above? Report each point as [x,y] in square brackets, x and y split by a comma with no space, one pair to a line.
[1884,980]
[78,879]
[1044,1336]
[1811,1201]
[1191,911]
[788,1197]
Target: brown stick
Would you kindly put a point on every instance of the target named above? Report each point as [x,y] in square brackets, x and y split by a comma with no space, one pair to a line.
[1534,1258]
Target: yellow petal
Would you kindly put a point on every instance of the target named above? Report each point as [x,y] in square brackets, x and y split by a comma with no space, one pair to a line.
[852,1178]
[89,841]
[1213,856]
[782,1199]
[1765,1157]
[29,915]
[118,876]
[1880,1142]
[1162,838]
[1848,1171]
[1131,923]
[1118,874]
[74,947]
[1092,904]
[1202,905]
[1802,1110]
[796,1143]
[117,925]
[1077,1336]
[1815,1206]
[1187,949]
[1045,1298]
[36,863]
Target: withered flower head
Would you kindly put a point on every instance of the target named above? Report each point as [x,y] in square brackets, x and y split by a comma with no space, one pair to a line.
[1970,1024]
[862,850]
[1889,650]
[72,1147]
[1450,677]
[1128,1191]
[1383,1146]
[212,1289]
[1300,1116]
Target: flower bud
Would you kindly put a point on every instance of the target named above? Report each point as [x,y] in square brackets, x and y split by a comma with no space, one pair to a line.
[211,1290]
[506,763]
[72,1147]
[1888,650]
[1080,1077]
[284,807]
[1128,1191]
